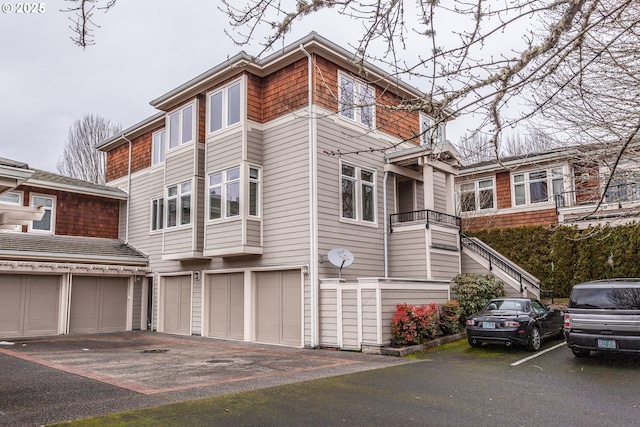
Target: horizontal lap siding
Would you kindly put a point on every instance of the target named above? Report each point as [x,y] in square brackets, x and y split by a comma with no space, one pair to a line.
[180,165]
[364,241]
[179,240]
[254,146]
[224,234]
[470,266]
[439,191]
[285,186]
[444,238]
[253,233]
[224,150]
[444,265]
[407,254]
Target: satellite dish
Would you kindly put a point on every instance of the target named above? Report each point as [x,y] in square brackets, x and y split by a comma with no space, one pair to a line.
[340,258]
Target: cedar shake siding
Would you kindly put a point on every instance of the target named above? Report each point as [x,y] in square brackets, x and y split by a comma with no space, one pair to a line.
[81,214]
[503,190]
[545,217]
[118,158]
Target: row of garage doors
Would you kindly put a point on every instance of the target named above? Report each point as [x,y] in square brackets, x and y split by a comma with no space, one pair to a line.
[278,306]
[35,305]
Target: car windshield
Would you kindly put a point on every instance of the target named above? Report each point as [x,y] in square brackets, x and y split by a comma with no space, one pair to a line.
[505,304]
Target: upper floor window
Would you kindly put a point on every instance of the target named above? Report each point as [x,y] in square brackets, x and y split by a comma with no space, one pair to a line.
[181,126]
[430,132]
[477,195]
[625,184]
[224,193]
[158,147]
[225,107]
[46,224]
[537,186]
[157,214]
[179,204]
[357,100]
[358,193]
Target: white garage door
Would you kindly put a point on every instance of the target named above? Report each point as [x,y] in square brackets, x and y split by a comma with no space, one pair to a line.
[29,305]
[98,304]
[176,305]
[226,306]
[279,308]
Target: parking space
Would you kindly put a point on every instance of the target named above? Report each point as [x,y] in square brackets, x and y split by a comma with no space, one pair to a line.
[137,369]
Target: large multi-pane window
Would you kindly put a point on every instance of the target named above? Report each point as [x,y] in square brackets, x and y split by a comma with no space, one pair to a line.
[225,107]
[477,195]
[181,126]
[357,100]
[430,132]
[537,186]
[157,214]
[158,147]
[224,193]
[358,193]
[178,204]
[46,224]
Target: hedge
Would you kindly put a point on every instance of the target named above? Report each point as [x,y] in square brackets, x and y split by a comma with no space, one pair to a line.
[564,256]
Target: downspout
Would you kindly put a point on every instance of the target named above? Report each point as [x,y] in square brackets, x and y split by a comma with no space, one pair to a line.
[313,264]
[126,232]
[386,224]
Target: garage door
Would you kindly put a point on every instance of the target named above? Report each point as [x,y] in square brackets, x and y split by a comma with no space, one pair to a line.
[98,304]
[176,305]
[29,305]
[226,306]
[279,308]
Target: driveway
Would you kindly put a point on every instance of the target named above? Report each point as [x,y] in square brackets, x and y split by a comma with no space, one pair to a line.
[62,378]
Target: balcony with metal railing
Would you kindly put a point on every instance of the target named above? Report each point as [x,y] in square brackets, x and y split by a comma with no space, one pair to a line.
[620,201]
[425,216]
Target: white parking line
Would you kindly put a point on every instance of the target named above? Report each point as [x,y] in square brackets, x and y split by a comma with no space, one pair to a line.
[538,354]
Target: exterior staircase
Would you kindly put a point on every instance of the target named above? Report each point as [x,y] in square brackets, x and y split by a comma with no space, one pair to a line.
[480,258]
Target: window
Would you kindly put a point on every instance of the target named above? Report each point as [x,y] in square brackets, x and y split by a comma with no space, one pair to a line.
[157,214]
[224,193]
[533,187]
[46,224]
[181,126]
[357,101]
[179,204]
[158,147]
[430,133]
[477,195]
[224,107]
[625,185]
[358,193]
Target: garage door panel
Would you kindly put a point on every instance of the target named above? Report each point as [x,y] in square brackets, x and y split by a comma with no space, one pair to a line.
[279,308]
[291,309]
[98,304]
[29,305]
[236,306]
[84,305]
[226,306]
[267,306]
[177,305]
[113,316]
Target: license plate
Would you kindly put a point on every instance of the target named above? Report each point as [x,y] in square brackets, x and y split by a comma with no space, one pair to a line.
[488,325]
[607,344]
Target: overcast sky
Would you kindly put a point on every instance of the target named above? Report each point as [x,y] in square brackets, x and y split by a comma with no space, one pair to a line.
[143,49]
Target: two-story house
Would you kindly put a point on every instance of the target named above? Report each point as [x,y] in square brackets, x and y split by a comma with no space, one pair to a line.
[62,267]
[577,185]
[254,171]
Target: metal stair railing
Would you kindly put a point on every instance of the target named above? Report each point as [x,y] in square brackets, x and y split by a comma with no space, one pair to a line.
[496,260]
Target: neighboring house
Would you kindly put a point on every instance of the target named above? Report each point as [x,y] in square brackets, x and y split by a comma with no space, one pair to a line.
[252,172]
[565,186]
[62,267]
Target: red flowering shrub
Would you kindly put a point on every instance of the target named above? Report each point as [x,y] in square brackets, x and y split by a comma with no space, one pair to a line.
[414,324]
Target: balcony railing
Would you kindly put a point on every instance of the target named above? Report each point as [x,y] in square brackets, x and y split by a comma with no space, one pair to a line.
[619,193]
[425,216]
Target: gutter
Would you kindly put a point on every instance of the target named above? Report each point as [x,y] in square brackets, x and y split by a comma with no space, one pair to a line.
[126,232]
[386,224]
[313,220]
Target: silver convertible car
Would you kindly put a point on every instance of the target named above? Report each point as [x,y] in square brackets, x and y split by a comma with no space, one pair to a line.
[510,321]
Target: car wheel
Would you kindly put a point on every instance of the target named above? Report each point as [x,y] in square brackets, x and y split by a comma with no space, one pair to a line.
[534,339]
[474,342]
[580,352]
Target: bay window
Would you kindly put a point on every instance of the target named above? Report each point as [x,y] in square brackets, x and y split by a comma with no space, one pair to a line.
[225,107]
[158,147]
[356,100]
[181,126]
[430,132]
[535,186]
[225,195]
[179,204]
[157,214]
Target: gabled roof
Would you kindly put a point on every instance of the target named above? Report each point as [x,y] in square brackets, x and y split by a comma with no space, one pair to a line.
[56,181]
[12,174]
[34,247]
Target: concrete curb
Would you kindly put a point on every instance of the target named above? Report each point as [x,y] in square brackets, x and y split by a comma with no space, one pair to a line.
[403,351]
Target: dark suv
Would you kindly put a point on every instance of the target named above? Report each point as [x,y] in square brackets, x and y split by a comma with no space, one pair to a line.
[604,315]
